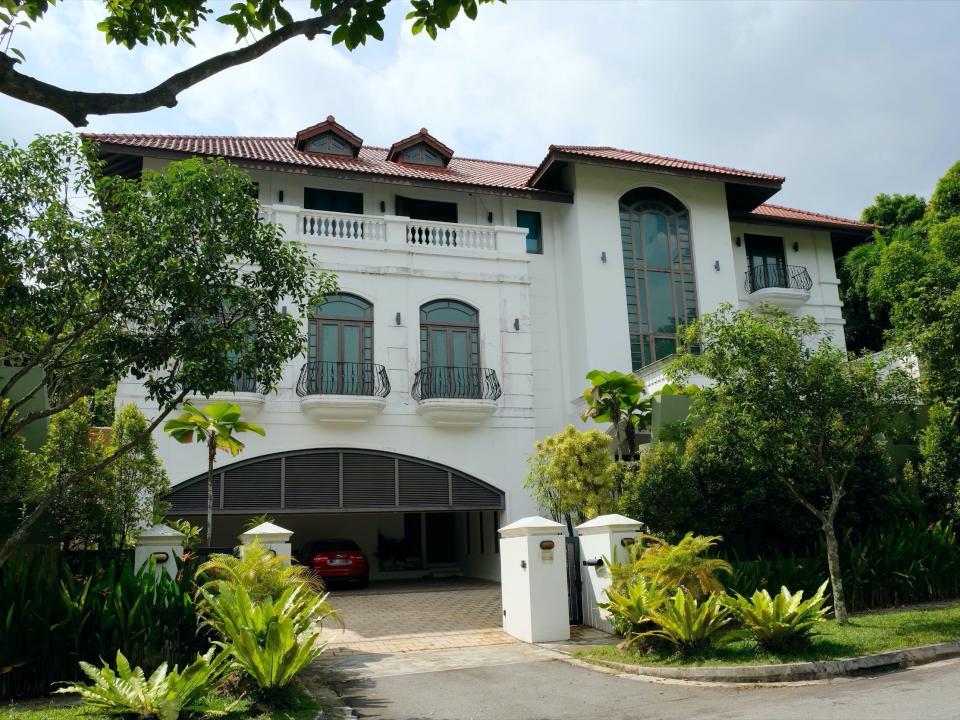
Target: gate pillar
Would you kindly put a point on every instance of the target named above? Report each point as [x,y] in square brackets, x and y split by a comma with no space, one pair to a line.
[272,537]
[606,536]
[533,580]
[163,544]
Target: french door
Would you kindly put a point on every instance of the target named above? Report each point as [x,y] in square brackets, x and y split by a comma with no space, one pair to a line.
[766,262]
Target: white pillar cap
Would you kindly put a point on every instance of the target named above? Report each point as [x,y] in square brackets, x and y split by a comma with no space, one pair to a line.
[267,532]
[609,523]
[533,525]
[159,534]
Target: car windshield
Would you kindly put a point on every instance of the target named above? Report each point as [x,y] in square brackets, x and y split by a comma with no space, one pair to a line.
[333,545]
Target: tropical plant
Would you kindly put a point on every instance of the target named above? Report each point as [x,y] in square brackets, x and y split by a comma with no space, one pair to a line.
[672,566]
[164,695]
[616,398]
[630,610]
[257,520]
[693,627]
[260,571]
[782,622]
[270,640]
[215,426]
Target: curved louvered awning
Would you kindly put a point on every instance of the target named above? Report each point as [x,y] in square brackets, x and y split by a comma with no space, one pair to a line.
[334,480]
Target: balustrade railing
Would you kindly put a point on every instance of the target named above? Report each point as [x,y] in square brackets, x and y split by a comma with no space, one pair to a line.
[450,235]
[341,226]
[343,378]
[466,383]
[794,277]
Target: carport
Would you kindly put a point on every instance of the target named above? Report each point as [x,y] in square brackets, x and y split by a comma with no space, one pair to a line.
[412,518]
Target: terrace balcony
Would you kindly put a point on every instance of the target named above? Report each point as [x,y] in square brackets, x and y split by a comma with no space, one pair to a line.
[456,396]
[343,392]
[247,393]
[787,286]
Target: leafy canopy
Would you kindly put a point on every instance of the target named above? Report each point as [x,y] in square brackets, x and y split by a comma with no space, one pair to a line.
[616,398]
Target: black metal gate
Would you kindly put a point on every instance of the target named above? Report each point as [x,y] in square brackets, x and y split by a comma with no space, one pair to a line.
[574,583]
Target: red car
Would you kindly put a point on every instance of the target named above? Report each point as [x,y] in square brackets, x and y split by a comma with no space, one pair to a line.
[337,559]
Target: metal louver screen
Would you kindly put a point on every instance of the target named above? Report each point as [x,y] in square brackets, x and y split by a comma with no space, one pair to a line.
[312,481]
[368,481]
[255,486]
[423,485]
[192,497]
[467,493]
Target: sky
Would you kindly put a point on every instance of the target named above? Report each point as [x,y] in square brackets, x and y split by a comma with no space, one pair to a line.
[845,99]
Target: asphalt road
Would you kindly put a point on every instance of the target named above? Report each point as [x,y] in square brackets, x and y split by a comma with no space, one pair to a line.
[548,689]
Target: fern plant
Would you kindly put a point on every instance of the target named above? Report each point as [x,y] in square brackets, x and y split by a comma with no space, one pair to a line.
[672,566]
[782,622]
[691,626]
[260,571]
[630,610]
[271,639]
[162,696]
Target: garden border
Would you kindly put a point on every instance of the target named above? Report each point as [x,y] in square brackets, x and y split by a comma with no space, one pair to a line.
[795,672]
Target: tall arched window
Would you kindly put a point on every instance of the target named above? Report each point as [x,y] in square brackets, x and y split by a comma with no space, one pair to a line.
[450,349]
[340,345]
[658,272]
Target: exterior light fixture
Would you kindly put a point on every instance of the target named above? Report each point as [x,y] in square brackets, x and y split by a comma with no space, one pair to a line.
[398,318]
[716,265]
[516,324]
[603,256]
[738,241]
[597,563]
[546,544]
[628,541]
[160,557]
[383,206]
[796,247]
[280,196]
[489,217]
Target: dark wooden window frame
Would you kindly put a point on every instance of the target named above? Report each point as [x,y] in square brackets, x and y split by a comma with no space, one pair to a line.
[539,238]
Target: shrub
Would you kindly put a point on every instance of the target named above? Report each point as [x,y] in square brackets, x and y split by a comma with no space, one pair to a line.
[630,611]
[782,622]
[693,627]
[163,696]
[672,566]
[270,640]
[261,572]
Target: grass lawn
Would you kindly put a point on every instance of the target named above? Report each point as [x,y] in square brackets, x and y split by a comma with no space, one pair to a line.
[864,634]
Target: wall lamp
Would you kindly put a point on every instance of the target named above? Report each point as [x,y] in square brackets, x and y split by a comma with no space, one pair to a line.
[489,217]
[628,541]
[516,324]
[716,265]
[603,256]
[280,196]
[738,241]
[383,206]
[796,247]
[398,318]
[546,544]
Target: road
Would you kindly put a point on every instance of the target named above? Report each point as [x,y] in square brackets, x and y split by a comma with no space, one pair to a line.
[538,686]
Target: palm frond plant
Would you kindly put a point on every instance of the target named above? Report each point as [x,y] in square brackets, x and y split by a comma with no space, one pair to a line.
[261,572]
[616,398]
[163,696]
[672,566]
[630,610]
[693,627]
[782,622]
[215,426]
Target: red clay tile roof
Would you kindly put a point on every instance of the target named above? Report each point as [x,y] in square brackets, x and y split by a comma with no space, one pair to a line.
[371,160]
[778,212]
[420,137]
[330,124]
[632,157]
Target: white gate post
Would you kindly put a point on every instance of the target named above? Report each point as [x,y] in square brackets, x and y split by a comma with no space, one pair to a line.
[607,536]
[533,580]
[273,537]
[163,544]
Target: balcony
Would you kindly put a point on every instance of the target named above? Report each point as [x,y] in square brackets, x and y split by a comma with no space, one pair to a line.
[247,393]
[787,286]
[456,396]
[343,392]
[398,232]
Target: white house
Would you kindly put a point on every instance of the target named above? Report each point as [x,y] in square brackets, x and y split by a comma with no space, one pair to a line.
[475,296]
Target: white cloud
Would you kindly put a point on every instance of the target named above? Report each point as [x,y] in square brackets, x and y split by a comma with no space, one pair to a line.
[845,99]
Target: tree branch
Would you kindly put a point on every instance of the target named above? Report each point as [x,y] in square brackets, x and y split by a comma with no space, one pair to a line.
[76,105]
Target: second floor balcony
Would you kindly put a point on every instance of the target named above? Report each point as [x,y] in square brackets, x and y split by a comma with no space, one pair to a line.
[785,285]
[346,392]
[456,396]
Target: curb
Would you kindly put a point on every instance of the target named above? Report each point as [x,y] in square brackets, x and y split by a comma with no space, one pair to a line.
[795,672]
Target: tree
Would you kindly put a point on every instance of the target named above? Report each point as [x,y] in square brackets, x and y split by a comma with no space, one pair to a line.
[139,478]
[571,474]
[805,412]
[945,201]
[171,279]
[215,426]
[615,397]
[893,211]
[161,22]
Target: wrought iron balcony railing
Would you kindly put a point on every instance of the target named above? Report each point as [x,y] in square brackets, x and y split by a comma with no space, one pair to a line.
[246,384]
[466,383]
[343,378]
[794,277]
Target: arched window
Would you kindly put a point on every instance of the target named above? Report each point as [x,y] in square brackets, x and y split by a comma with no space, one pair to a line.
[449,350]
[658,272]
[340,345]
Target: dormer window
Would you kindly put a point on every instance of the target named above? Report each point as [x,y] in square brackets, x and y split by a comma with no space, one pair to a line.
[328,138]
[420,149]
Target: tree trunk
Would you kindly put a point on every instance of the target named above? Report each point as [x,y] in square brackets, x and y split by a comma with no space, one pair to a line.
[211,456]
[17,536]
[836,578]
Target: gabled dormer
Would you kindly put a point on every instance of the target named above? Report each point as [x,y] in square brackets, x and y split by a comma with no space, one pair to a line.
[420,149]
[329,138]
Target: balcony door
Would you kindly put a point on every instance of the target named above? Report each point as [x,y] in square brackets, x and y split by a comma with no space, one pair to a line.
[341,346]
[765,262]
[450,348]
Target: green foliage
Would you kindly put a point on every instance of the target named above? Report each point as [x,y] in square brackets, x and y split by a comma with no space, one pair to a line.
[938,473]
[630,609]
[692,627]
[102,402]
[192,533]
[52,616]
[272,639]
[782,622]
[945,201]
[672,566]
[164,695]
[891,211]
[616,398]
[572,474]
[259,571]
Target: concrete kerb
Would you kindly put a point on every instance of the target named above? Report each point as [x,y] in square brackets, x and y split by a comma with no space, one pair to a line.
[795,672]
